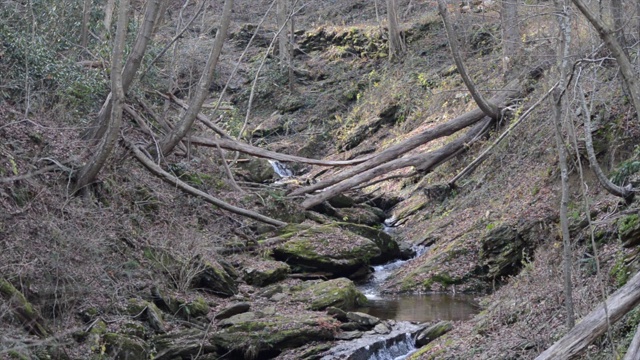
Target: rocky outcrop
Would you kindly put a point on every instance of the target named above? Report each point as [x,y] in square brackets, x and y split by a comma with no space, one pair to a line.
[340,293]
[629,230]
[327,249]
[264,272]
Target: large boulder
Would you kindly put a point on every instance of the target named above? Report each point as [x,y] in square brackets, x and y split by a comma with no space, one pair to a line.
[629,230]
[389,247]
[263,336]
[339,293]
[327,249]
[264,272]
[216,278]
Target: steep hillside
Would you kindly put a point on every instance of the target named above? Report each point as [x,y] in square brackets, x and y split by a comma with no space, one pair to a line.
[135,267]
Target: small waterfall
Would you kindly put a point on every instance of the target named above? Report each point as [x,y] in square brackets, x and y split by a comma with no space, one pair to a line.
[281,169]
[396,345]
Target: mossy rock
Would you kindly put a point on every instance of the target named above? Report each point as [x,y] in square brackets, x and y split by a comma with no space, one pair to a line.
[340,293]
[264,337]
[389,247]
[361,214]
[185,344]
[265,272]
[502,251]
[433,332]
[257,170]
[342,201]
[214,278]
[23,310]
[125,347]
[144,310]
[629,230]
[327,249]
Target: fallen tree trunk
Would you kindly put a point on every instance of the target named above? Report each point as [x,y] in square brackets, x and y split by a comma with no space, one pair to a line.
[165,176]
[595,323]
[233,145]
[633,352]
[423,163]
[515,88]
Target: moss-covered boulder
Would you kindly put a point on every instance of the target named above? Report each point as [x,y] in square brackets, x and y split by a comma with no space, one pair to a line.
[389,247]
[263,337]
[339,293]
[502,251]
[264,272]
[125,347]
[362,214]
[433,332]
[214,277]
[326,249]
[257,170]
[146,311]
[629,230]
[184,344]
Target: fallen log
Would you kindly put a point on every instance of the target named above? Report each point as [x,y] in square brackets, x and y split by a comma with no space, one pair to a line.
[515,88]
[423,163]
[165,176]
[595,323]
[233,145]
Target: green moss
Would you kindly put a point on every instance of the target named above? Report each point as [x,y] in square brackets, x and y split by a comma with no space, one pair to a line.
[620,272]
[628,223]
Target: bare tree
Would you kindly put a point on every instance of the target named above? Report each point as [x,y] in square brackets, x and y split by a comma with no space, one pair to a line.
[511,43]
[608,36]
[99,126]
[109,7]
[623,192]
[172,139]
[88,172]
[396,44]
[84,35]
[487,107]
[564,24]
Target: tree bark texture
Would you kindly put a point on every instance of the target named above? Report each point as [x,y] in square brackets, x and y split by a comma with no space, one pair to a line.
[90,170]
[609,38]
[612,188]
[396,45]
[172,139]
[511,41]
[595,323]
[488,108]
[564,23]
[633,352]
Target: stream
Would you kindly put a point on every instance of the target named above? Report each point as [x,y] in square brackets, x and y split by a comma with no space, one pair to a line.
[413,307]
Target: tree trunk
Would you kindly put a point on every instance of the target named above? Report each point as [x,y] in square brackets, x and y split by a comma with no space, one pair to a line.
[633,352]
[564,24]
[167,144]
[396,45]
[132,65]
[84,35]
[88,172]
[594,324]
[283,36]
[511,42]
[626,69]
[109,6]
[617,12]
[488,108]
[612,188]
[244,148]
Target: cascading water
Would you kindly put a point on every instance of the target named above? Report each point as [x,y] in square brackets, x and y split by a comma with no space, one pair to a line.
[281,169]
